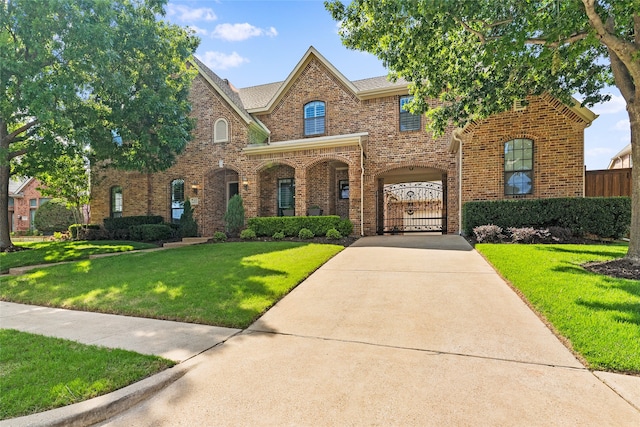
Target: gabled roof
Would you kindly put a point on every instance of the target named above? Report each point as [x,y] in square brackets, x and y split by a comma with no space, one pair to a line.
[17,184]
[228,93]
[262,99]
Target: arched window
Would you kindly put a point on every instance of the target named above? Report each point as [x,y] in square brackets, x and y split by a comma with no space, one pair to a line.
[518,167]
[116,202]
[221,131]
[177,200]
[314,114]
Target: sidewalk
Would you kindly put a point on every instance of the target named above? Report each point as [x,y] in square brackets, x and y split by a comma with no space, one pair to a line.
[394,330]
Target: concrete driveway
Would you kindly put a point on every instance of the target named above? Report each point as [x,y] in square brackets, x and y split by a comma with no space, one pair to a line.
[392,331]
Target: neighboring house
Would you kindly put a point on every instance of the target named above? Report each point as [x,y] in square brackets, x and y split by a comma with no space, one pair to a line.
[349,147]
[622,159]
[24,199]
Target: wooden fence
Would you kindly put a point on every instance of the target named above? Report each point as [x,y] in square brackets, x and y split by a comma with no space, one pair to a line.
[608,183]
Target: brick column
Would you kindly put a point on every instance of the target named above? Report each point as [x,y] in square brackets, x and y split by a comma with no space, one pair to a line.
[301,191]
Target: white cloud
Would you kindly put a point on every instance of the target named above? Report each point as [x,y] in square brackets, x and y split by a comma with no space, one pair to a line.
[615,105]
[606,152]
[239,32]
[199,31]
[622,125]
[188,14]
[223,61]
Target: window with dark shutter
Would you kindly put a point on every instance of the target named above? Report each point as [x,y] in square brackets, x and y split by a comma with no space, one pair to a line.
[408,120]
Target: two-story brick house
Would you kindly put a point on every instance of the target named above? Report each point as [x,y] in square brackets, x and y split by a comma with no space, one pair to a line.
[350,148]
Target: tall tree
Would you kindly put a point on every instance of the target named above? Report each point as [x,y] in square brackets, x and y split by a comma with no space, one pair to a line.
[104,75]
[477,57]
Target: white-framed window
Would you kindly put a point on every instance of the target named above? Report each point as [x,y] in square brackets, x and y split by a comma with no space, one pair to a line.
[221,131]
[518,167]
[116,202]
[314,115]
[177,200]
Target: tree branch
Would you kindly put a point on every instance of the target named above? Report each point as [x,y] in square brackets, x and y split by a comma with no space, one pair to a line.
[13,135]
[17,153]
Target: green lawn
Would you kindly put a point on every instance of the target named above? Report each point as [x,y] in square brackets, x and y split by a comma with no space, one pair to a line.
[229,284]
[39,373]
[52,252]
[599,315]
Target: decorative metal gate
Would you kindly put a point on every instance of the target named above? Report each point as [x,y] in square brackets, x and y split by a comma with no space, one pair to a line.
[412,207]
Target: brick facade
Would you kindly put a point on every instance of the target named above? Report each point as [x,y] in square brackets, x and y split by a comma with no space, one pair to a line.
[362,144]
[23,202]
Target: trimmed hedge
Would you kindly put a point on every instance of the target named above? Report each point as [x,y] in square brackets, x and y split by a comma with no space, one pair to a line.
[602,216]
[291,225]
[73,229]
[118,228]
[151,232]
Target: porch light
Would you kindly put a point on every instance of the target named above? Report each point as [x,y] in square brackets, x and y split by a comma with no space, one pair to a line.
[195,187]
[245,182]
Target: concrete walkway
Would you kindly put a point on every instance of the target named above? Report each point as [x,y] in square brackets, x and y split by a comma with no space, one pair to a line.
[392,331]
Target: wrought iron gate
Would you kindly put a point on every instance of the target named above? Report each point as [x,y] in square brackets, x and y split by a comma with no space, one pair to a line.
[412,207]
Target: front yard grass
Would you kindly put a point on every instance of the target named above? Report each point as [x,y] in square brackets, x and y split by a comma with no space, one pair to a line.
[52,252]
[599,315]
[229,284]
[38,373]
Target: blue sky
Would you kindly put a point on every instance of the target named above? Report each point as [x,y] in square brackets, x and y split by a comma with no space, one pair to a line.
[252,42]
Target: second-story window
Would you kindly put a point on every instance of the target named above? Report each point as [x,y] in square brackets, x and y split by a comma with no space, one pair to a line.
[408,120]
[314,114]
[221,131]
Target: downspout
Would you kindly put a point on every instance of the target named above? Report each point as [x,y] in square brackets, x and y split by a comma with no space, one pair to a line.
[361,186]
[455,136]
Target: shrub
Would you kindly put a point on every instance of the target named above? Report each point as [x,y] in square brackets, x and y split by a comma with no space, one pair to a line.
[247,234]
[53,216]
[278,235]
[488,233]
[118,228]
[151,232]
[333,234]
[604,217]
[305,233]
[234,217]
[219,236]
[528,235]
[75,229]
[188,226]
[57,235]
[291,225]
[560,234]
[345,227]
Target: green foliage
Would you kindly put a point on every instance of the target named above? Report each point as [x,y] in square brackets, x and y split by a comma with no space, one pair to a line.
[305,233]
[605,217]
[333,234]
[79,231]
[291,225]
[151,232]
[114,86]
[219,236]
[68,178]
[234,217]
[247,234]
[188,226]
[118,228]
[53,215]
[279,235]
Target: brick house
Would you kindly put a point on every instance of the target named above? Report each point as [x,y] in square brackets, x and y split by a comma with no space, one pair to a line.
[24,200]
[350,148]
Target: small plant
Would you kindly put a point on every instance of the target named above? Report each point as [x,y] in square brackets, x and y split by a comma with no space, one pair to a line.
[59,236]
[345,227]
[305,233]
[527,235]
[333,234]
[278,235]
[234,218]
[488,233]
[247,234]
[219,236]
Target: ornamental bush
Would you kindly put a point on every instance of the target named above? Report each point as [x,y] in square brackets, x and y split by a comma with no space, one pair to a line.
[291,225]
[333,234]
[53,216]
[247,234]
[305,233]
[188,226]
[234,217]
[151,232]
[219,236]
[279,235]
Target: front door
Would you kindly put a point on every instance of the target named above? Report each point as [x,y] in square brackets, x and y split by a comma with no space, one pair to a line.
[286,193]
[232,190]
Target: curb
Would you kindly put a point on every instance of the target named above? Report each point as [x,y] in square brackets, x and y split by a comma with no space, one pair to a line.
[100,408]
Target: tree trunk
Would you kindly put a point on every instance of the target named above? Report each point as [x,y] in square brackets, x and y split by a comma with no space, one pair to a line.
[5,173]
[634,242]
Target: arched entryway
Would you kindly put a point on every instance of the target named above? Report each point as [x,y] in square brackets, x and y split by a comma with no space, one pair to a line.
[220,186]
[328,188]
[411,200]
[277,190]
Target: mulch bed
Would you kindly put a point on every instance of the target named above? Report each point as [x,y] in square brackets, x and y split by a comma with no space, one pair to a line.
[621,268]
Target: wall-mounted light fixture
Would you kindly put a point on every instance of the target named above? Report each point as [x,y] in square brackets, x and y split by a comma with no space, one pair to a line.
[195,187]
[245,182]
